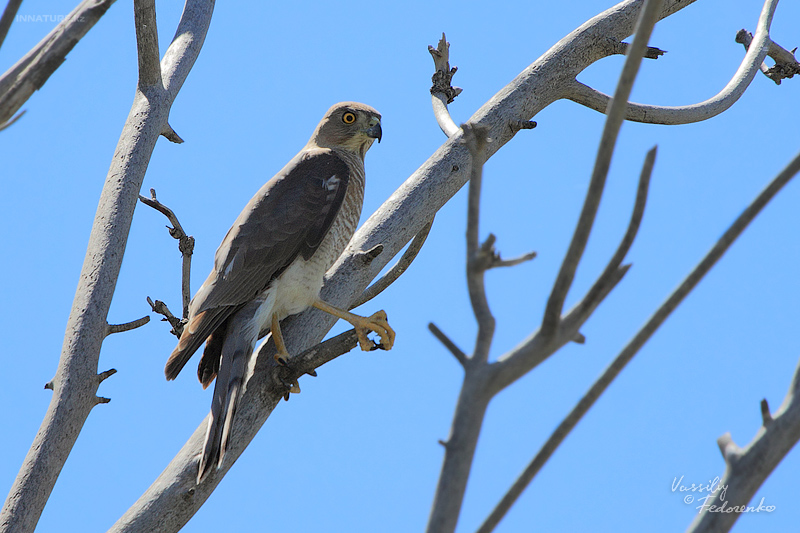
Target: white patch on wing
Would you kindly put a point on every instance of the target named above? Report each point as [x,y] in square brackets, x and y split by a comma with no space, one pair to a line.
[331,183]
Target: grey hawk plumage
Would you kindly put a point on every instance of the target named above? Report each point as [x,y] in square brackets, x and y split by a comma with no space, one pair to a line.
[272,261]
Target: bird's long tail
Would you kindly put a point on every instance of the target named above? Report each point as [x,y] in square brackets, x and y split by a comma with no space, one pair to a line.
[240,340]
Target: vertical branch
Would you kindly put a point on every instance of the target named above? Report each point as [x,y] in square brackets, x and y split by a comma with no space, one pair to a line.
[75,383]
[144,12]
[615,115]
[478,257]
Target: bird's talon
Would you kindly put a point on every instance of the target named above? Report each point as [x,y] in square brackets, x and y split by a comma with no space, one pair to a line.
[282,359]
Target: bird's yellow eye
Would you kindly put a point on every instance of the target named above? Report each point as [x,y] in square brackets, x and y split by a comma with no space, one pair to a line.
[348,118]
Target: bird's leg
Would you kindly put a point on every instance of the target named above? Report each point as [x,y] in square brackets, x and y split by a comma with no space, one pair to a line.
[377,323]
[282,357]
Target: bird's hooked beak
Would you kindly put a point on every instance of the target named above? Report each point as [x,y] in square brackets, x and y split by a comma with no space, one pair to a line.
[374,131]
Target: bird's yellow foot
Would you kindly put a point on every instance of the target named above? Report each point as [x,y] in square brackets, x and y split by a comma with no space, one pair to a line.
[282,358]
[377,323]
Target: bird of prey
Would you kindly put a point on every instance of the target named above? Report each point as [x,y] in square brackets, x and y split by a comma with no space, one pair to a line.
[272,261]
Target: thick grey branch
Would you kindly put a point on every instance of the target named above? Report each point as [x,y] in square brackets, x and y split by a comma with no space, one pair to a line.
[593,99]
[32,71]
[641,337]
[144,12]
[615,116]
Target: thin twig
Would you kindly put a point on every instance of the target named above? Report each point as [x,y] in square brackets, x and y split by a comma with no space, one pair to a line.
[397,269]
[449,344]
[633,346]
[614,117]
[442,92]
[119,328]
[161,308]
[185,245]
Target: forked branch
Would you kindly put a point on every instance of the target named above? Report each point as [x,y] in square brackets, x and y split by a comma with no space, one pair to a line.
[635,344]
[186,247]
[651,114]
[614,117]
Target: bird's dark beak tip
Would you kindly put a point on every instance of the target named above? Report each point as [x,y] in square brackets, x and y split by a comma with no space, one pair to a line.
[375,132]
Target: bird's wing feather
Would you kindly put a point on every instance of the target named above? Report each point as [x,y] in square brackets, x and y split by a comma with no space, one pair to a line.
[289,216]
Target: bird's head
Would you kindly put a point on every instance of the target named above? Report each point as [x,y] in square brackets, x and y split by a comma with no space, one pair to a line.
[349,126]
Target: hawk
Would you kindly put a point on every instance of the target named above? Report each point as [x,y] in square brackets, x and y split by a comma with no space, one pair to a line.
[272,261]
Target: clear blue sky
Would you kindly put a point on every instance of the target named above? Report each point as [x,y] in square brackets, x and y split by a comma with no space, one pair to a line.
[357,450]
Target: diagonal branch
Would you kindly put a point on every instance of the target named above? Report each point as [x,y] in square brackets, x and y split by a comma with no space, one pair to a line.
[397,269]
[632,348]
[460,356]
[593,99]
[609,278]
[31,72]
[8,17]
[615,116]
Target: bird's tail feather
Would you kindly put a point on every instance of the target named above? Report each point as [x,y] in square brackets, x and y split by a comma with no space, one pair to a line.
[236,350]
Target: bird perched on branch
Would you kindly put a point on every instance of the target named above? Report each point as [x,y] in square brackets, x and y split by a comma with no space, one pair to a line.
[272,261]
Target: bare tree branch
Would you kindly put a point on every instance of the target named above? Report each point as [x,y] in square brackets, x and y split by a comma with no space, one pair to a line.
[75,384]
[593,99]
[442,92]
[392,226]
[8,17]
[119,328]
[186,247]
[161,308]
[397,269]
[32,71]
[609,278]
[615,116]
[460,356]
[632,348]
[478,257]
[144,12]
[786,66]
